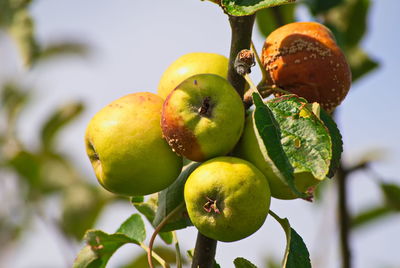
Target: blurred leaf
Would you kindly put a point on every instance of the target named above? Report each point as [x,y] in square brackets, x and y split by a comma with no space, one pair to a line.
[370,215]
[66,48]
[148,209]
[22,30]
[82,202]
[337,142]
[28,166]
[171,198]
[8,9]
[59,119]
[101,246]
[248,7]
[243,263]
[269,19]
[13,99]
[392,194]
[360,63]
[321,6]
[357,16]
[296,255]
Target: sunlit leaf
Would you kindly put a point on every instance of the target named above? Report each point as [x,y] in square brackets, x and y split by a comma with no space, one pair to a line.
[269,137]
[101,246]
[360,63]
[248,7]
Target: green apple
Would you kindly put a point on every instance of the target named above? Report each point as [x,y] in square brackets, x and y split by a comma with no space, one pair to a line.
[227,198]
[248,149]
[189,65]
[203,117]
[126,148]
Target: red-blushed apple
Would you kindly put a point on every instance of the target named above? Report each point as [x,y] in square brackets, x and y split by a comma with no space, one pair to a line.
[203,117]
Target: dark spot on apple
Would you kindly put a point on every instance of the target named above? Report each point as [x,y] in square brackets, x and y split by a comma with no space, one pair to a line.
[195,82]
[93,156]
[206,107]
[179,137]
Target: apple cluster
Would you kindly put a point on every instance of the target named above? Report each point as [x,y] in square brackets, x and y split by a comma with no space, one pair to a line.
[137,143]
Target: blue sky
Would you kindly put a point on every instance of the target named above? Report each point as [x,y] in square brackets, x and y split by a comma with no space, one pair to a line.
[132,45]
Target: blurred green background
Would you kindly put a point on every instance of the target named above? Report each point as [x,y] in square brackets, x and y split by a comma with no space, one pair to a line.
[62,61]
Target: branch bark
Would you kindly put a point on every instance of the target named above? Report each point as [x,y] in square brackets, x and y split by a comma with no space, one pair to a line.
[344,217]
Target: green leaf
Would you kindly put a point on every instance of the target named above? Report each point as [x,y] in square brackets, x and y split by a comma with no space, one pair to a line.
[101,246]
[13,100]
[296,255]
[269,19]
[59,119]
[248,7]
[391,192]
[133,228]
[370,215]
[337,142]
[305,139]
[357,17]
[148,209]
[66,48]
[171,198]
[360,63]
[268,135]
[22,30]
[321,6]
[243,263]
[28,166]
[83,202]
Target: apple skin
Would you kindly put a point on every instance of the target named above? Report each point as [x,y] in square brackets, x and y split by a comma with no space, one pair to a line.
[203,117]
[189,65]
[227,198]
[248,149]
[303,58]
[126,148]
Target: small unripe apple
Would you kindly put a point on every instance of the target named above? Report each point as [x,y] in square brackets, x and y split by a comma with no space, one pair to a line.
[126,148]
[203,117]
[303,58]
[189,65]
[227,198]
[248,149]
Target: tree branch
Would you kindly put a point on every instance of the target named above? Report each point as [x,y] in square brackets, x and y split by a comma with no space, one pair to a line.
[242,27]
[344,218]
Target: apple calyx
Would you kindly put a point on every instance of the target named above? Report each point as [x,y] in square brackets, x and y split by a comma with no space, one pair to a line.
[211,206]
[206,107]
